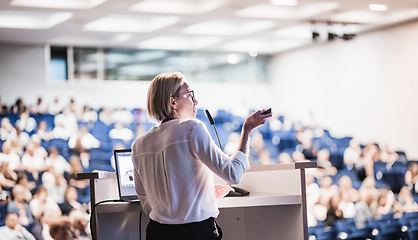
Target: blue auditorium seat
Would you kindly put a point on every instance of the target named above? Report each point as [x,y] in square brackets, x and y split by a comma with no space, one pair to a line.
[101,131]
[337,159]
[113,142]
[346,225]
[411,215]
[412,233]
[395,180]
[342,142]
[12,118]
[287,139]
[83,194]
[3,212]
[49,119]
[222,116]
[60,144]
[388,235]
[328,233]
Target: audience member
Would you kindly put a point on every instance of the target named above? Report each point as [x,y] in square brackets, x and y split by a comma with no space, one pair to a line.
[256,143]
[71,176]
[57,161]
[324,165]
[304,137]
[43,133]
[411,177]
[26,122]
[327,188]
[121,132]
[19,106]
[39,107]
[28,186]
[39,150]
[55,183]
[352,154]
[321,208]
[41,202]
[20,207]
[46,219]
[385,202]
[333,213]
[70,203]
[406,202]
[7,131]
[32,163]
[55,107]
[21,140]
[346,205]
[388,156]
[299,157]
[75,109]
[365,209]
[5,196]
[88,115]
[60,229]
[346,185]
[122,116]
[13,230]
[313,191]
[264,157]
[79,222]
[284,158]
[105,116]
[7,177]
[232,144]
[65,124]
[82,141]
[368,187]
[9,156]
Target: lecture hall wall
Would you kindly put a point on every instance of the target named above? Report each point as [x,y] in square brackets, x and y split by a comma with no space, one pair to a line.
[364,88]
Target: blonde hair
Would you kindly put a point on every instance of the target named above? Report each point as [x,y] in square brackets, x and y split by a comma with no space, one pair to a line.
[162,88]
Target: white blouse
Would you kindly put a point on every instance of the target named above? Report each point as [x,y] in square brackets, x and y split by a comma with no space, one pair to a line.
[173,171]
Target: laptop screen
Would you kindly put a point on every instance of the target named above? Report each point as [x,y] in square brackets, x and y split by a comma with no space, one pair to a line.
[125,175]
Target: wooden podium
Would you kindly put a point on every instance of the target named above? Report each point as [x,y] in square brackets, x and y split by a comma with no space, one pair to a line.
[275,208]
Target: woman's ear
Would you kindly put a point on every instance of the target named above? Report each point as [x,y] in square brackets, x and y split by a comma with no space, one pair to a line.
[173,103]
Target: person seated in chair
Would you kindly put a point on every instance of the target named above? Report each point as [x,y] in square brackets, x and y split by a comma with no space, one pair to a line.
[13,230]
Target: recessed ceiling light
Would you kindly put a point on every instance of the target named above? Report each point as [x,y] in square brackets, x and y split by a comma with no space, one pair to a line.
[130,23]
[74,4]
[378,7]
[232,59]
[285,2]
[226,27]
[176,6]
[306,10]
[32,20]
[179,42]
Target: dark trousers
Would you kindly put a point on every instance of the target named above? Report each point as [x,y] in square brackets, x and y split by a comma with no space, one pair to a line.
[205,230]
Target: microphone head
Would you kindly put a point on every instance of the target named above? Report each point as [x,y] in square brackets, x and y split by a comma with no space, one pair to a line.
[210,117]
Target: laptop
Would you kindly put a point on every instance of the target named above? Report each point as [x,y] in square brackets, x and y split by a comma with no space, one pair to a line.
[125,175]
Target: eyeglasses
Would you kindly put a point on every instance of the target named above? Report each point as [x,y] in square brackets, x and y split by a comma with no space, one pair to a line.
[192,95]
[191,92]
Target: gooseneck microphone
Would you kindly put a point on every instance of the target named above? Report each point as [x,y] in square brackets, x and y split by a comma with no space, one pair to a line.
[213,124]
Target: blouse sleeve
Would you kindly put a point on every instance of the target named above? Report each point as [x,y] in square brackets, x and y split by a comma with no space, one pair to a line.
[229,168]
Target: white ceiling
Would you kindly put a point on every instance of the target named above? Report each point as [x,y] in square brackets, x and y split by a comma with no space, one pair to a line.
[207,25]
